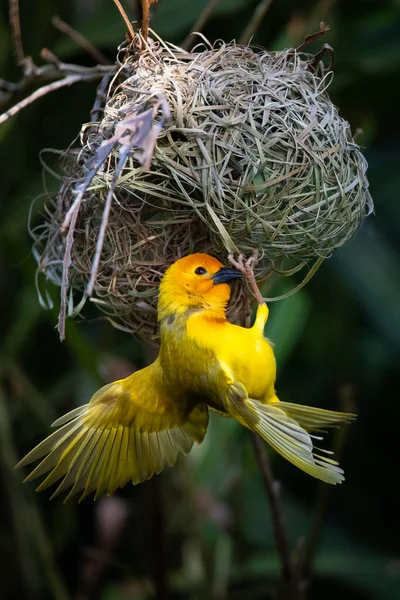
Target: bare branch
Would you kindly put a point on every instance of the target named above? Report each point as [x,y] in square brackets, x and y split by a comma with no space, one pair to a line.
[309,39]
[271,486]
[324,491]
[16,31]
[80,40]
[53,71]
[146,17]
[255,21]
[50,57]
[46,89]
[326,49]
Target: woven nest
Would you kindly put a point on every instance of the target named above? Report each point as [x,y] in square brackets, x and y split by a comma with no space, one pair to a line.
[225,149]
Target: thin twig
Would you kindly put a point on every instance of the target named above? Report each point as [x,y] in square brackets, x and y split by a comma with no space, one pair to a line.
[54,71]
[101,235]
[324,491]
[309,39]
[81,188]
[145,18]
[65,274]
[123,14]
[255,21]
[200,23]
[80,40]
[16,31]
[43,91]
[50,58]
[101,95]
[271,486]
[326,49]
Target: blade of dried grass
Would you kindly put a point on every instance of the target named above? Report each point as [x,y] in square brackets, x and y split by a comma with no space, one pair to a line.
[261,10]
[127,22]
[65,273]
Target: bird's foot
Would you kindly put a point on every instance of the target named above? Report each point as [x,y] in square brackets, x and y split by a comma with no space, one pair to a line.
[246,267]
[238,264]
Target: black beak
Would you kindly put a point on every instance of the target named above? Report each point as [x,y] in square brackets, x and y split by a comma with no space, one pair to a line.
[226,274]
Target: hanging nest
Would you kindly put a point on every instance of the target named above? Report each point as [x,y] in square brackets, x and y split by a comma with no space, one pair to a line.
[224,149]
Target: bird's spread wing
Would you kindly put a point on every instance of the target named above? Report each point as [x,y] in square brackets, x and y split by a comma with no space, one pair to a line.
[282,426]
[117,437]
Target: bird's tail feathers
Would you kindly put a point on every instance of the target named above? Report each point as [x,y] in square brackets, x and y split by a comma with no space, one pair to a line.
[282,426]
[315,419]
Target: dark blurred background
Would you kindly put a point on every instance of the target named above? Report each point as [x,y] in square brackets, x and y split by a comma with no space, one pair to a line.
[203,529]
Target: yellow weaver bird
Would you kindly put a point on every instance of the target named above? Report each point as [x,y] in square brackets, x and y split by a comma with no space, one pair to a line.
[135,426]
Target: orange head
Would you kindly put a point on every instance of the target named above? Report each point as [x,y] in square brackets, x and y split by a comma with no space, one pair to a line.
[197,280]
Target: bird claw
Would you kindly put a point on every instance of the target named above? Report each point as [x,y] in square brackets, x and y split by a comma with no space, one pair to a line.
[238,264]
[251,263]
[246,267]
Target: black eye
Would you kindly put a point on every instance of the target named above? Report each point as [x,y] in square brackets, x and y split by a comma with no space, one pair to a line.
[200,271]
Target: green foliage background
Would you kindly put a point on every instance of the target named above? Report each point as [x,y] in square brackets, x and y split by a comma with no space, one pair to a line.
[340,336]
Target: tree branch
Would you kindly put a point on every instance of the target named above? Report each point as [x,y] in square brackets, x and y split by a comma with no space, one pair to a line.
[146,17]
[80,40]
[324,491]
[84,75]
[16,31]
[271,486]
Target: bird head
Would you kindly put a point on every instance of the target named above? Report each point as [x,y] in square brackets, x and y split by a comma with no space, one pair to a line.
[195,281]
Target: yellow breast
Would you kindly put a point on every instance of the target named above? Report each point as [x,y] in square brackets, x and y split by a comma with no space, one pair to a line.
[247,354]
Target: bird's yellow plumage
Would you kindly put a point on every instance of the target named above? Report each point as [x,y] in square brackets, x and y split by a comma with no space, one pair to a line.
[135,426]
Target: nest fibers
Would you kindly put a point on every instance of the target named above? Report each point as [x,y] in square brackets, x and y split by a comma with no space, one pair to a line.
[225,149]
